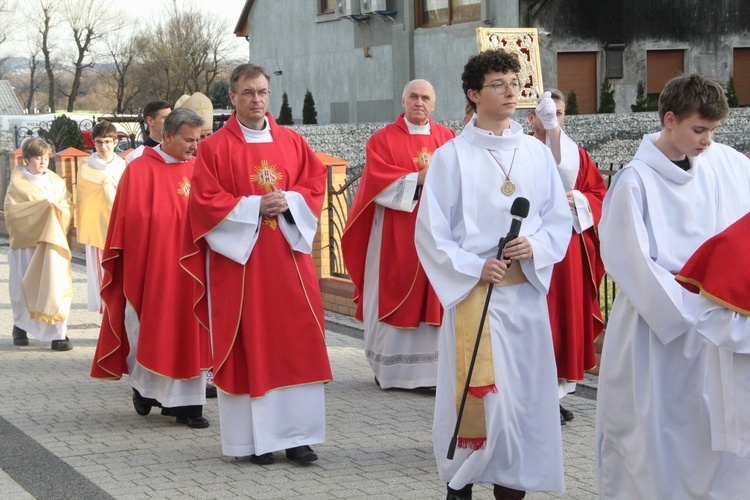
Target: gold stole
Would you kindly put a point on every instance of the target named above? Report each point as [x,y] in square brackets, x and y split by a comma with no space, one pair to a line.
[472,433]
[95,196]
[34,221]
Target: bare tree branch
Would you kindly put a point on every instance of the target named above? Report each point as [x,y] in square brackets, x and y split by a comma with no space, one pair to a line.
[41,16]
[186,50]
[89,21]
[123,53]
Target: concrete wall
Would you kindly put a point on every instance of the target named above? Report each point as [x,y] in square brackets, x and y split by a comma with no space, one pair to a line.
[611,139]
[356,71]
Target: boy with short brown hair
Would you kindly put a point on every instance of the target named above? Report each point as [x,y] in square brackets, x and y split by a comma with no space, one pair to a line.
[98,176]
[37,215]
[653,432]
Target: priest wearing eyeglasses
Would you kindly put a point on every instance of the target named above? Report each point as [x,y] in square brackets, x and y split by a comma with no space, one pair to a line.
[257,195]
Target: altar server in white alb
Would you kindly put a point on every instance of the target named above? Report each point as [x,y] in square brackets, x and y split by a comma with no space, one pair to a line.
[510,433]
[653,435]
[98,176]
[37,215]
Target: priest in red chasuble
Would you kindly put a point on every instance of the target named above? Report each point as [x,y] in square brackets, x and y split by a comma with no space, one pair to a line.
[720,272]
[573,297]
[257,195]
[148,330]
[400,311]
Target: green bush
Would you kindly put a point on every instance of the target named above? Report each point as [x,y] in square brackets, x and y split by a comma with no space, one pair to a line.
[606,98]
[220,95]
[732,98]
[309,114]
[64,133]
[571,107]
[641,101]
[285,114]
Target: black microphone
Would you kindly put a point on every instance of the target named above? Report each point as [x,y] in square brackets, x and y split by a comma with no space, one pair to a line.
[518,211]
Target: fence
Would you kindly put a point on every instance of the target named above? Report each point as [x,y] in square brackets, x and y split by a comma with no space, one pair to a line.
[131,127]
[340,199]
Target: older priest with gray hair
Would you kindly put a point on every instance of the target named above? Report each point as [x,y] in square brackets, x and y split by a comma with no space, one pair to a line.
[148,329]
[399,308]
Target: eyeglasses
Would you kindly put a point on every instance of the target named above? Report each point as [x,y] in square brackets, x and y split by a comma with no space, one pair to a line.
[262,93]
[502,87]
[105,142]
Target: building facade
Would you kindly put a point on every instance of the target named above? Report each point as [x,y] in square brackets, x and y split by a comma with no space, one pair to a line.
[355,56]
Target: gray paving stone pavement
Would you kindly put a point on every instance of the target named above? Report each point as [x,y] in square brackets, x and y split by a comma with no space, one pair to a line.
[65,435]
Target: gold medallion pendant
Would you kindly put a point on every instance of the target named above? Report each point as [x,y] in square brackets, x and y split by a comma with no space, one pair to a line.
[508,188]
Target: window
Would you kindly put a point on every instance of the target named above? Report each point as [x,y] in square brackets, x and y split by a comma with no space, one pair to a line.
[741,73]
[433,13]
[661,66]
[326,6]
[577,71]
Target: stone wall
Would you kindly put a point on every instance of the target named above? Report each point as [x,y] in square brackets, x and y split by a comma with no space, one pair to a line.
[611,139]
[6,140]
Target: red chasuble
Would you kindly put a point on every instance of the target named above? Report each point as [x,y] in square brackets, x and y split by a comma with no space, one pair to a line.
[267,316]
[720,269]
[141,266]
[573,299]
[405,297]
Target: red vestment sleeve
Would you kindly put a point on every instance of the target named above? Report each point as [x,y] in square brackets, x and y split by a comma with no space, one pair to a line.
[266,316]
[591,183]
[112,347]
[573,300]
[719,268]
[404,294]
[141,264]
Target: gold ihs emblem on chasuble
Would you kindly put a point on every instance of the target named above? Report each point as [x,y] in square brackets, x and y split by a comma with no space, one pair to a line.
[183,188]
[267,178]
[423,158]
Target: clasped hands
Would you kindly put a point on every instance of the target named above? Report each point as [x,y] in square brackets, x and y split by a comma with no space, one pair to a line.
[493,270]
[273,203]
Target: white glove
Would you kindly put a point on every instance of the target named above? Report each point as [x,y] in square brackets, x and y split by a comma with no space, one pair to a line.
[546,111]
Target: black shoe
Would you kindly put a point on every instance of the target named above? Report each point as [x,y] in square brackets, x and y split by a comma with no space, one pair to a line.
[62,345]
[264,459]
[142,405]
[566,414]
[301,454]
[19,336]
[562,420]
[462,494]
[211,392]
[193,422]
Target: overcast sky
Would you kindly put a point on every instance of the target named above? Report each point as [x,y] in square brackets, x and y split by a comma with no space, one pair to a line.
[134,10]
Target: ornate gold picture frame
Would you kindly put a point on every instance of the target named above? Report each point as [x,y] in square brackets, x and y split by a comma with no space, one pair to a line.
[523,42]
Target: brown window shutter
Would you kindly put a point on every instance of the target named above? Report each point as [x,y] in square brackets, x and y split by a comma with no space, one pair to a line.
[577,71]
[662,66]
[741,74]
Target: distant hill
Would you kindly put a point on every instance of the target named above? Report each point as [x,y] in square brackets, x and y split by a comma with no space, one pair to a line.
[15,63]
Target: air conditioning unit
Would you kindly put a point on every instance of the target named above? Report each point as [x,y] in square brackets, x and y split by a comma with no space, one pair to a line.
[346,8]
[370,6]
